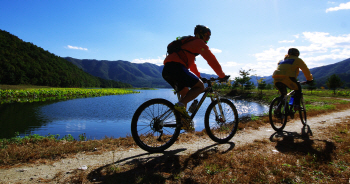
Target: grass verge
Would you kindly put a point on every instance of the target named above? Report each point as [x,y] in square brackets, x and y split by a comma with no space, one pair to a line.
[28,94]
[286,158]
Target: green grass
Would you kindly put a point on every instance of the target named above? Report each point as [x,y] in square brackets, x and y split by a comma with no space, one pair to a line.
[321,158]
[43,94]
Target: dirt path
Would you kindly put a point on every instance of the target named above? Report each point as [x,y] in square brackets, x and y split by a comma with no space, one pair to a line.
[34,173]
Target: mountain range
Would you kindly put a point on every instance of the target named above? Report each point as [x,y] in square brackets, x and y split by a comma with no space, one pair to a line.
[25,63]
[150,75]
[136,74]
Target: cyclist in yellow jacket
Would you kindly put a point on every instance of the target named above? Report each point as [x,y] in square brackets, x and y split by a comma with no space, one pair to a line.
[286,73]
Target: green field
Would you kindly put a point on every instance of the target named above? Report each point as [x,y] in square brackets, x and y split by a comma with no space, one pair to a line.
[9,94]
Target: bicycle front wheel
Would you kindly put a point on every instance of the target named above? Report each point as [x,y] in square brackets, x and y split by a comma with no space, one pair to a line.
[278,114]
[221,120]
[302,111]
[154,125]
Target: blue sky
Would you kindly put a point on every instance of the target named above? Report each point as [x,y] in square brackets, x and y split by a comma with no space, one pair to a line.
[250,34]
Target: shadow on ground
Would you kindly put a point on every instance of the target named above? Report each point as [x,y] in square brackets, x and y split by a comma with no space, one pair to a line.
[155,168]
[302,144]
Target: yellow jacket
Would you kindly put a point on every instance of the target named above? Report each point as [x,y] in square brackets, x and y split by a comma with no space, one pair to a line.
[289,67]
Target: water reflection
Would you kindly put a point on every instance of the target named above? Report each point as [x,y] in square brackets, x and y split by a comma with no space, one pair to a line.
[97,117]
[248,108]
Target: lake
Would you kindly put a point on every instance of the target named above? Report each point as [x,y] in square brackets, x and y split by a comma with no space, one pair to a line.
[98,117]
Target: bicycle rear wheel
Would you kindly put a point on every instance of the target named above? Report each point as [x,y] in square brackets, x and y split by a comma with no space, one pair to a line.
[154,125]
[278,114]
[302,111]
[218,129]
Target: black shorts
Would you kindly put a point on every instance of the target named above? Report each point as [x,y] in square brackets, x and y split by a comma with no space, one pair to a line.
[178,76]
[283,89]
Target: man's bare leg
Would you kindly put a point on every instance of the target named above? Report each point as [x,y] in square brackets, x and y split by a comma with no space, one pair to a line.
[189,95]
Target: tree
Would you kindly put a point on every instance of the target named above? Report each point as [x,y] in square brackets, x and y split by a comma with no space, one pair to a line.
[245,79]
[261,84]
[334,82]
[269,86]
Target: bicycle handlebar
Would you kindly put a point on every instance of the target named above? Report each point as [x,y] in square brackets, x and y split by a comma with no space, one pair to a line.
[205,80]
[306,82]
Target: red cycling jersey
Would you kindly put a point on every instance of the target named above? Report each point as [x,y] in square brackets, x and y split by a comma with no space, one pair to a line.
[200,47]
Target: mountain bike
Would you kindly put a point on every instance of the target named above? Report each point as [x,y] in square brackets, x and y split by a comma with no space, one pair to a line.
[281,110]
[156,125]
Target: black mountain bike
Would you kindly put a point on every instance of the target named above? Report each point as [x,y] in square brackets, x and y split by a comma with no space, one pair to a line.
[156,124]
[281,111]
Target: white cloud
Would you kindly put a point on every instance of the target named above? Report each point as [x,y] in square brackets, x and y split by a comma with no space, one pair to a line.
[264,68]
[215,50]
[231,63]
[342,6]
[76,48]
[296,36]
[203,70]
[272,54]
[320,49]
[158,61]
[286,41]
[320,43]
[325,40]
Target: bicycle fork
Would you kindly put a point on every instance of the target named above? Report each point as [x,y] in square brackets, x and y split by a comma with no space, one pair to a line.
[221,118]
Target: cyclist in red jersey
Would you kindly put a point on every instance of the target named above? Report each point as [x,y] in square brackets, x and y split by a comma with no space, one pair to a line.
[182,73]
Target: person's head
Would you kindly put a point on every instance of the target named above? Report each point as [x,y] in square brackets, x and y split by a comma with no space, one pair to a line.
[202,32]
[293,52]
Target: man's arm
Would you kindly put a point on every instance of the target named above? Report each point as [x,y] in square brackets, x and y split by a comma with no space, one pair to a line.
[212,61]
[305,70]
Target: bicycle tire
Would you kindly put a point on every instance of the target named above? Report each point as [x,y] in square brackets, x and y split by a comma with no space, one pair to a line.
[148,130]
[302,111]
[278,120]
[218,131]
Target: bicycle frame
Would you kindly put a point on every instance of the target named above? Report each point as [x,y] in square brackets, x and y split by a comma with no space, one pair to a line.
[289,108]
[214,97]
[280,109]
[206,91]
[286,100]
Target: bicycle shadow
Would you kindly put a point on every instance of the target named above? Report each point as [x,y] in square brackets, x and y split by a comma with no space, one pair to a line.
[302,144]
[147,169]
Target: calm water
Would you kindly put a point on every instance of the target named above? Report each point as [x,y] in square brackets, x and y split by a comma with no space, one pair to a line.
[96,117]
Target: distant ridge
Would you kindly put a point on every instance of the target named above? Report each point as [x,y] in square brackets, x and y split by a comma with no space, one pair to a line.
[150,75]
[136,74]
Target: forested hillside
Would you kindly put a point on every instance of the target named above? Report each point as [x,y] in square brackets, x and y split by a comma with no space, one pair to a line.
[136,74]
[321,74]
[25,63]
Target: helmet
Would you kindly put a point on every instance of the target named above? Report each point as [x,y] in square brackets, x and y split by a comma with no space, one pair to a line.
[293,52]
[200,31]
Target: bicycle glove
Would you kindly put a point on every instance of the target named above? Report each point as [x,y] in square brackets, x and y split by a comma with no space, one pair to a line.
[224,79]
[204,80]
[310,82]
